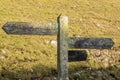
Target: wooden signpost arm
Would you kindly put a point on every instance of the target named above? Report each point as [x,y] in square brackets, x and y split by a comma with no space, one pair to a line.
[30,28]
[90,43]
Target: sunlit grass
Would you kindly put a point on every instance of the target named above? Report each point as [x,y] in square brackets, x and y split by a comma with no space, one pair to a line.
[33,55]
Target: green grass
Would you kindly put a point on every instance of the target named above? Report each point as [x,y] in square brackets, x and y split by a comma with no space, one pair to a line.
[29,56]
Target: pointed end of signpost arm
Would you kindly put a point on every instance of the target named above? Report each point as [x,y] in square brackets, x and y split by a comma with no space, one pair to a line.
[28,28]
[5,28]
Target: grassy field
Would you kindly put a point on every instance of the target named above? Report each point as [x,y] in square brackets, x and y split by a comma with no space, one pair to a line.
[26,57]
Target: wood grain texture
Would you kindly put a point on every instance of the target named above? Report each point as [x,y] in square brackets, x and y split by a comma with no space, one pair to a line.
[30,28]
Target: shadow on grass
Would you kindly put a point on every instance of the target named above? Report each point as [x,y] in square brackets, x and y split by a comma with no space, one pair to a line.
[38,72]
[41,72]
[88,73]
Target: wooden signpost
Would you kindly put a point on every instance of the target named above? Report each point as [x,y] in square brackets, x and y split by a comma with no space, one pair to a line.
[64,42]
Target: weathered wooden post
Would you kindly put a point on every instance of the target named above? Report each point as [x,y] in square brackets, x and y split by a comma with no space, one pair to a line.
[62,51]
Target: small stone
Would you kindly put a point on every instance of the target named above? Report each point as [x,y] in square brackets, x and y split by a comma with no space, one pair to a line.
[91,77]
[81,19]
[99,73]
[72,7]
[54,78]
[2,57]
[77,74]
[75,35]
[106,60]
[78,36]
[93,74]
[47,42]
[97,25]
[106,52]
[118,28]
[31,70]
[53,42]
[88,69]
[3,51]
[106,65]
[96,53]
[88,4]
